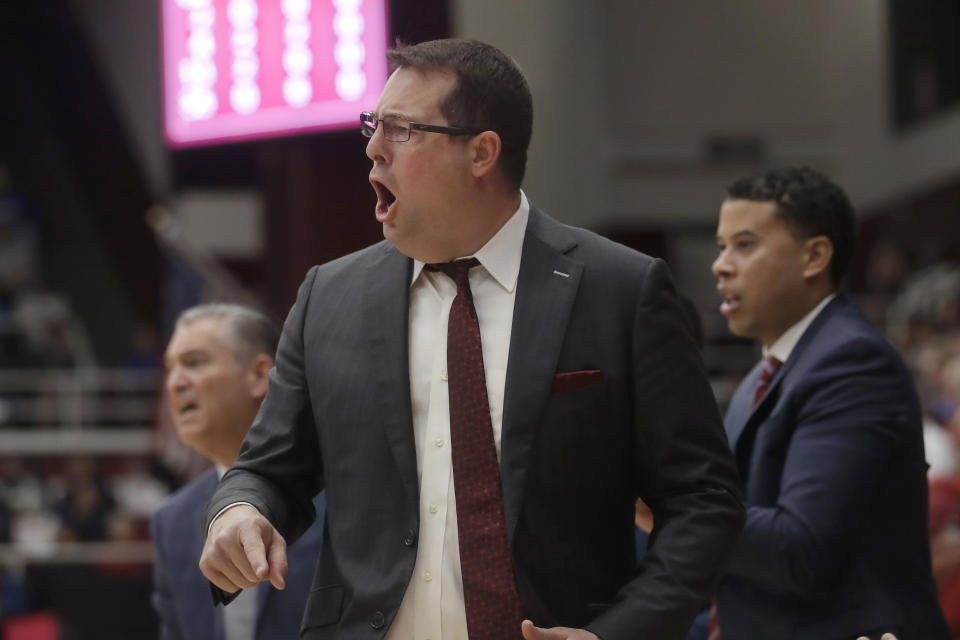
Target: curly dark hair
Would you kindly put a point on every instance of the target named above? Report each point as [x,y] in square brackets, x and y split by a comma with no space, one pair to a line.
[810,204]
[491,93]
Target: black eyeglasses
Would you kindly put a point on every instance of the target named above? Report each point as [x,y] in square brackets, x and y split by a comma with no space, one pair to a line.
[397,129]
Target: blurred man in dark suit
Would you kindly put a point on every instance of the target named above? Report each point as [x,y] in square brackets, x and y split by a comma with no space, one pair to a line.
[217,363]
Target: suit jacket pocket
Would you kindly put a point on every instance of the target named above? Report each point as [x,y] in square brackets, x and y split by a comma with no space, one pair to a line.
[572,380]
[323,607]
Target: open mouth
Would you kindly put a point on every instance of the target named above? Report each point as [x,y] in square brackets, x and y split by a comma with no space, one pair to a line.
[385,200]
[730,304]
[188,408]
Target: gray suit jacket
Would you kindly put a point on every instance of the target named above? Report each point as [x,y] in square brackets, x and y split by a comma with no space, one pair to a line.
[577,450]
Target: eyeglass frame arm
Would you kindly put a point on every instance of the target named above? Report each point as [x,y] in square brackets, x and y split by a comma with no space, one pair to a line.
[451,131]
[419,126]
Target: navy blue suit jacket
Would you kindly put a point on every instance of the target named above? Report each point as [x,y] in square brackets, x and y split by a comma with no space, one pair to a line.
[836,542]
[181,593]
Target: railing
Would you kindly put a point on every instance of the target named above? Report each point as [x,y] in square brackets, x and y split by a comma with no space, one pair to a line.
[84,410]
[115,552]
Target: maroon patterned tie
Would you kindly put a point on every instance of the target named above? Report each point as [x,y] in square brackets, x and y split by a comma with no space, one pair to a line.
[767,370]
[490,591]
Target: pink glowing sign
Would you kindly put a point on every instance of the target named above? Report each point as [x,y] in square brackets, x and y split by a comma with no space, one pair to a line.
[238,69]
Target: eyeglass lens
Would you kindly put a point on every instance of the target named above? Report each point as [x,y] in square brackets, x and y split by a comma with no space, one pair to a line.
[395,129]
[368,124]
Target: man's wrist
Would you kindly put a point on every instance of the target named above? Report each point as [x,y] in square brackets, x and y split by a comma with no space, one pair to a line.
[221,512]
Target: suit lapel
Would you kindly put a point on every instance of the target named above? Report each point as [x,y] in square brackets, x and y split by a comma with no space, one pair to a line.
[206,620]
[741,412]
[546,289]
[741,407]
[385,318]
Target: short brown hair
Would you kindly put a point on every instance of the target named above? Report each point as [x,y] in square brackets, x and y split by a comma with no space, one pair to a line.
[490,94]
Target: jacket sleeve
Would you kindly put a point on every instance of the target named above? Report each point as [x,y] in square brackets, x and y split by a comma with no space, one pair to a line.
[686,474]
[162,596]
[852,411]
[279,469]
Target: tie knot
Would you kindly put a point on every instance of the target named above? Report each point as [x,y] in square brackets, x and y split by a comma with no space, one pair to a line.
[457,270]
[769,369]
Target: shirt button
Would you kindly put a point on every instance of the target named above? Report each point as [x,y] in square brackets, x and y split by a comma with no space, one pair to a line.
[433,508]
[438,442]
[427,577]
[443,376]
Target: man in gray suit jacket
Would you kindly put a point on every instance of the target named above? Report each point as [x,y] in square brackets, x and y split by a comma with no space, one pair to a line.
[560,358]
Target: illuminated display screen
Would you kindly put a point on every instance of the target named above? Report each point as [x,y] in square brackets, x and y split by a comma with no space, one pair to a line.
[241,69]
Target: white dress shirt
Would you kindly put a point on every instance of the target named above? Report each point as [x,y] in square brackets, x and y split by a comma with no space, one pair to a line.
[432,607]
[783,346]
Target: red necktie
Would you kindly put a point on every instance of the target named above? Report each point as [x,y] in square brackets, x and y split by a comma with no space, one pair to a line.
[714,629]
[490,591]
[767,370]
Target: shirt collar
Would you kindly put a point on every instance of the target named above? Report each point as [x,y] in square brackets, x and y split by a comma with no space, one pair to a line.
[784,345]
[220,471]
[500,256]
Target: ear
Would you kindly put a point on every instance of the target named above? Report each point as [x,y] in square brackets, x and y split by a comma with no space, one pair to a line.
[818,252]
[486,150]
[257,375]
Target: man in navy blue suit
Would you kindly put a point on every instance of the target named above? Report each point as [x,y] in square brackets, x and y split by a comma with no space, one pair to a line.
[825,429]
[217,363]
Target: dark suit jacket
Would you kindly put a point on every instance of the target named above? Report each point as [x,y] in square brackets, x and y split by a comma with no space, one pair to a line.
[836,541]
[574,458]
[182,595]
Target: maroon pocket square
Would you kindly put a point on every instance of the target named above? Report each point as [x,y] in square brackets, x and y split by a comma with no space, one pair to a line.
[576,379]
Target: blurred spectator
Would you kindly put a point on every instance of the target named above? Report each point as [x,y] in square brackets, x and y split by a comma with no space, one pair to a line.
[6,521]
[20,486]
[945,545]
[137,490]
[37,327]
[87,505]
[950,382]
[55,337]
[943,375]
[18,246]
[928,307]
[144,348]
[940,446]
[928,357]
[887,270]
[13,595]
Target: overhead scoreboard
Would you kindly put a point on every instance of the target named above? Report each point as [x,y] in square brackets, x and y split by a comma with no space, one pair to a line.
[244,69]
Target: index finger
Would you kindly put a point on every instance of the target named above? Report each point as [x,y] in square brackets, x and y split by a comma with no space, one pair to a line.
[278,561]
[251,541]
